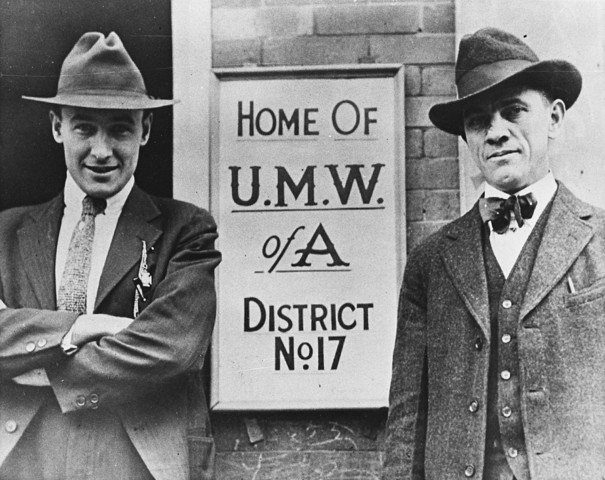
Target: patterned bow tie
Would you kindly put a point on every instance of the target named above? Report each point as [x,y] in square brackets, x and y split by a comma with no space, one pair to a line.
[498,210]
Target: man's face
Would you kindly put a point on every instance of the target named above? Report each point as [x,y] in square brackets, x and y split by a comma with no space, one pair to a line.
[508,133]
[101,146]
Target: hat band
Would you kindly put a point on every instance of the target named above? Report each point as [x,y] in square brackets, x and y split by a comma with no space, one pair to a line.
[485,76]
[103,92]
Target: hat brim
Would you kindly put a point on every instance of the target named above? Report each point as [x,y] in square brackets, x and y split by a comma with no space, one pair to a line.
[104,101]
[559,77]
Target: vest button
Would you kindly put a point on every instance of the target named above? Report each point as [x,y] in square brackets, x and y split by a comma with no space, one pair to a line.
[80,401]
[505,374]
[506,338]
[10,426]
[473,406]
[30,347]
[512,452]
[469,470]
[507,304]
[479,344]
[506,411]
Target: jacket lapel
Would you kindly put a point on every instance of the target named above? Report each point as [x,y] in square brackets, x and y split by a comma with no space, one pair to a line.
[125,251]
[38,246]
[566,234]
[462,254]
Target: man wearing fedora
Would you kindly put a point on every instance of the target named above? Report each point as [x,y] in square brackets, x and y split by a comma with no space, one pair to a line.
[499,362]
[108,297]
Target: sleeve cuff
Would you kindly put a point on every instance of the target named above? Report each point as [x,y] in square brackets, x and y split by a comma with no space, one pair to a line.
[67,346]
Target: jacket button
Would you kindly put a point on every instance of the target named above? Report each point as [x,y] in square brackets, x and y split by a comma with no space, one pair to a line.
[42,342]
[479,344]
[473,406]
[469,470]
[512,452]
[506,338]
[507,304]
[94,398]
[10,426]
[506,411]
[505,374]
[30,347]
[80,401]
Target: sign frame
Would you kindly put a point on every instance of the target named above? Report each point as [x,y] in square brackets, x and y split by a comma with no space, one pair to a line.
[394,72]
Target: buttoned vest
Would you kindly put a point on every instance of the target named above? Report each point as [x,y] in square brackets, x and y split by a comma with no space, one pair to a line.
[505,450]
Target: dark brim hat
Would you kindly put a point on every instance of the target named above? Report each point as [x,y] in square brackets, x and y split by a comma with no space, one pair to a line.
[490,59]
[99,73]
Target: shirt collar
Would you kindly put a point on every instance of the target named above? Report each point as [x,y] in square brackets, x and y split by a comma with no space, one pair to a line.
[543,191]
[73,196]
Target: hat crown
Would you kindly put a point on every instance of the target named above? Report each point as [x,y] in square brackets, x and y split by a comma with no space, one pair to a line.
[490,45]
[99,64]
[98,73]
[490,59]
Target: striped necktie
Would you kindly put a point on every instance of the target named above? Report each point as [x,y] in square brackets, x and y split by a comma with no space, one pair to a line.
[74,281]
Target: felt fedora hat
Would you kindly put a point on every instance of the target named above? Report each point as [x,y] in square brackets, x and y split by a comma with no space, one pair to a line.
[492,58]
[99,73]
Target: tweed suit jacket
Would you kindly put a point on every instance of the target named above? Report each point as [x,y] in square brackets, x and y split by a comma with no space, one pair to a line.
[442,350]
[148,374]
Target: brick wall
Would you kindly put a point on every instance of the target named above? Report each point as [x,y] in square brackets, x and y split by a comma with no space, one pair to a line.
[419,34]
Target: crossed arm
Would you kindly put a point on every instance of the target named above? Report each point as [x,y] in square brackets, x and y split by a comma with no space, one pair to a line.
[86,328]
[90,327]
[120,358]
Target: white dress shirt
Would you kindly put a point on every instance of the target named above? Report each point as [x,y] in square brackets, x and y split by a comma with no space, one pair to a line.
[105,226]
[508,245]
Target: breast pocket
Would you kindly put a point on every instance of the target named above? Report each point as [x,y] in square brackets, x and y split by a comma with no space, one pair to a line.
[593,292]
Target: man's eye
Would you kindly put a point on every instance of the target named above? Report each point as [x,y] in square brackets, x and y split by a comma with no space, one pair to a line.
[476,122]
[513,111]
[84,129]
[121,130]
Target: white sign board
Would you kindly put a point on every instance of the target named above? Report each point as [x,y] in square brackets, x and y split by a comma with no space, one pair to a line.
[307,171]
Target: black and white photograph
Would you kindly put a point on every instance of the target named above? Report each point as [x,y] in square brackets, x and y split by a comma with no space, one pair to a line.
[302,240]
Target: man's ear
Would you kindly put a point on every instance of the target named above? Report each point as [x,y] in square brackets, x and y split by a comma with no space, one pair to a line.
[55,122]
[557,115]
[147,121]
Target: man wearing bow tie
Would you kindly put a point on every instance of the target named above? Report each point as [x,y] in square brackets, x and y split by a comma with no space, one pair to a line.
[499,359]
[108,298]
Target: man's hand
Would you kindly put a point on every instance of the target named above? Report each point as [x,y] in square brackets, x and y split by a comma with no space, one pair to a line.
[93,326]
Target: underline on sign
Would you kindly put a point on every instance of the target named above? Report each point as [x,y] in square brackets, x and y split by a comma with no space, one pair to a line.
[307,271]
[355,139]
[262,210]
[277,139]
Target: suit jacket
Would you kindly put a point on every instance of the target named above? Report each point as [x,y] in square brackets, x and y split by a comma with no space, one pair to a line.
[148,374]
[441,357]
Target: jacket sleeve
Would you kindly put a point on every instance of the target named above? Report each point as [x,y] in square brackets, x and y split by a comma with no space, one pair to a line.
[406,424]
[31,338]
[168,339]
